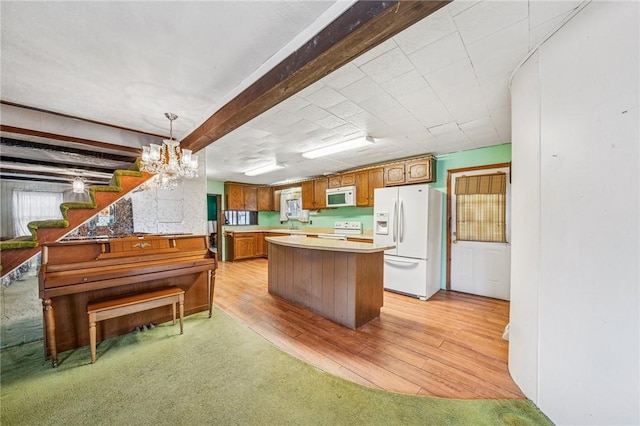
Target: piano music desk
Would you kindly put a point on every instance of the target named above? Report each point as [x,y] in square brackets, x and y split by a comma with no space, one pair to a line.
[107,309]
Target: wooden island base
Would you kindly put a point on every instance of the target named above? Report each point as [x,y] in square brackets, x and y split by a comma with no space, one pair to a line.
[345,286]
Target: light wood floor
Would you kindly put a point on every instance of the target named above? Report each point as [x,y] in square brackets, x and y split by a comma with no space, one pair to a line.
[449,346]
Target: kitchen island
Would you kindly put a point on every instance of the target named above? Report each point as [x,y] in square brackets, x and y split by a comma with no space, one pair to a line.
[340,280]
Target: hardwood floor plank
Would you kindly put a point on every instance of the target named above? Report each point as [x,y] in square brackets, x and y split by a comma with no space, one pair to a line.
[449,346]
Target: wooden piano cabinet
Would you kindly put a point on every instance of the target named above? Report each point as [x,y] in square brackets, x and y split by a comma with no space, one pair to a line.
[74,274]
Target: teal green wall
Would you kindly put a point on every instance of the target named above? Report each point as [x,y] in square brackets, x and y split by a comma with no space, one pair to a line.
[216,187]
[324,218]
[474,157]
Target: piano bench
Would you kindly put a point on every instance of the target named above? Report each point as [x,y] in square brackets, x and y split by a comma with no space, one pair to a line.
[113,308]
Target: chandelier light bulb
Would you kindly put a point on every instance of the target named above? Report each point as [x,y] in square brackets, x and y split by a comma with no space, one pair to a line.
[168,162]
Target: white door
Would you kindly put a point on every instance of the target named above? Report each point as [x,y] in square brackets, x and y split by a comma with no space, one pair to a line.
[481,268]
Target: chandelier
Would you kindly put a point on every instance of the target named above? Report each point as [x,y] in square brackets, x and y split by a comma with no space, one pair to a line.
[78,185]
[168,162]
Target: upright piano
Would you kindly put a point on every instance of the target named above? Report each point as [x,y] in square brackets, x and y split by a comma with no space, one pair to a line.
[74,273]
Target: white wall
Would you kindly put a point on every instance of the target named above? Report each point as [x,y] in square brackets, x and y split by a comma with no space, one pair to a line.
[179,211]
[575,308]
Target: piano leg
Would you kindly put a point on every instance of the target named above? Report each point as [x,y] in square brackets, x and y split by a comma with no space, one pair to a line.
[211,285]
[50,329]
[92,336]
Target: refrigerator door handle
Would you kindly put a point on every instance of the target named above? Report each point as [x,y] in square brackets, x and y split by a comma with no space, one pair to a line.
[401,221]
[395,217]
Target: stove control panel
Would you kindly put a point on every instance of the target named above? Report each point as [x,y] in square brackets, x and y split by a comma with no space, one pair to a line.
[347,227]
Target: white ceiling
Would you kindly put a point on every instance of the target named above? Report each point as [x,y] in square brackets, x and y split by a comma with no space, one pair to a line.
[438,87]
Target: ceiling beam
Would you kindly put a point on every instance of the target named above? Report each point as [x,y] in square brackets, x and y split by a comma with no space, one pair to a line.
[75,140]
[126,156]
[363,26]
[27,175]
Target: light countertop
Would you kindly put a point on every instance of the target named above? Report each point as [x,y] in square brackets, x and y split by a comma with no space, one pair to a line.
[366,235]
[305,242]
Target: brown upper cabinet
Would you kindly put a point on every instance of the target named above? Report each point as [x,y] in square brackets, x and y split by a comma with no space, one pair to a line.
[345,179]
[265,199]
[314,194]
[411,171]
[366,182]
[241,197]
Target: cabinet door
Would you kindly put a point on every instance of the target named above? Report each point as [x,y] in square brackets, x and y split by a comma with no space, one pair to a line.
[251,198]
[235,196]
[335,181]
[376,180]
[362,188]
[265,199]
[348,179]
[320,191]
[419,171]
[394,174]
[261,244]
[244,245]
[308,195]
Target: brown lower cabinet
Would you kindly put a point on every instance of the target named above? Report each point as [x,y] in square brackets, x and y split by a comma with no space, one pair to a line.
[240,245]
[248,245]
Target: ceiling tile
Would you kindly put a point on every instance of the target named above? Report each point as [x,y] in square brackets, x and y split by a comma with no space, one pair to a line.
[405,84]
[387,66]
[489,17]
[371,54]
[313,113]
[429,30]
[502,120]
[444,129]
[293,104]
[498,54]
[540,32]
[330,122]
[361,90]
[481,132]
[541,12]
[343,76]
[384,106]
[349,129]
[496,92]
[325,97]
[458,89]
[440,54]
[459,6]
[345,109]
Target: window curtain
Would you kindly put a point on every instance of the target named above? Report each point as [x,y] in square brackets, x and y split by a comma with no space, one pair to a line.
[29,206]
[481,208]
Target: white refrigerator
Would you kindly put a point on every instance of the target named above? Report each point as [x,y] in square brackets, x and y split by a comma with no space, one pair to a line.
[411,218]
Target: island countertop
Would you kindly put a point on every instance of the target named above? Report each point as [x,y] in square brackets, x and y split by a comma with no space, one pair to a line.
[299,241]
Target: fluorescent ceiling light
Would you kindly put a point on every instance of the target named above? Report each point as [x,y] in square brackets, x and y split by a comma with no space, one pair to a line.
[264,169]
[339,147]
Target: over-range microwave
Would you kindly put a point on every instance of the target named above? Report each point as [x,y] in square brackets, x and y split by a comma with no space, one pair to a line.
[341,197]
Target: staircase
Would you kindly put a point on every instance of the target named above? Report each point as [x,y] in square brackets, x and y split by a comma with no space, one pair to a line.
[16,251]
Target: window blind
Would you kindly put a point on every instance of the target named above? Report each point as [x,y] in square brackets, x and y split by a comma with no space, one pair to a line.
[481,208]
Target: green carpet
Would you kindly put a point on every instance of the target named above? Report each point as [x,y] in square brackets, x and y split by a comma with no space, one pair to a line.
[218,373]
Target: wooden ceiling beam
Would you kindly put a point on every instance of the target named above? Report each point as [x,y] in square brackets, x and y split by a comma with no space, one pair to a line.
[362,27]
